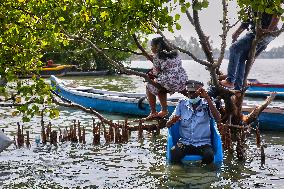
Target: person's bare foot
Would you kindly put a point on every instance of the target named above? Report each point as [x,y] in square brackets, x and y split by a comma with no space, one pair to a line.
[245,118]
[156,115]
[162,114]
[151,116]
[227,84]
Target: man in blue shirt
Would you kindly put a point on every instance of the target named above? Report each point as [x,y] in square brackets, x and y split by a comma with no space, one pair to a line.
[194,114]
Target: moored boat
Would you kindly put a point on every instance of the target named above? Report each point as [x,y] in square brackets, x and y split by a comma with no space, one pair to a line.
[89,73]
[173,137]
[258,89]
[271,118]
[58,70]
[143,70]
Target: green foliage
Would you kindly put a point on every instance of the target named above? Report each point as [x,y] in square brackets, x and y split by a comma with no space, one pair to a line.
[268,6]
[201,5]
[33,31]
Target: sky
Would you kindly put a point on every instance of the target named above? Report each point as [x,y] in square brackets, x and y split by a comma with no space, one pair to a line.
[210,22]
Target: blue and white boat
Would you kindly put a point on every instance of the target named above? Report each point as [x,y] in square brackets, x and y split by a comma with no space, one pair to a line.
[271,118]
[258,89]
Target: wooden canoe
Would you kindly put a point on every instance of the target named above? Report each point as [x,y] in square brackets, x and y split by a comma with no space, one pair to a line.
[272,118]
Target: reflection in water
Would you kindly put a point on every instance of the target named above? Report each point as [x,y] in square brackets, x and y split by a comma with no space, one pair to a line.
[137,164]
[126,83]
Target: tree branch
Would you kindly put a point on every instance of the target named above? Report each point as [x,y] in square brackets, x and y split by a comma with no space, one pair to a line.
[144,52]
[255,113]
[203,39]
[69,104]
[189,17]
[123,50]
[13,104]
[119,48]
[223,36]
[65,52]
[278,32]
[116,64]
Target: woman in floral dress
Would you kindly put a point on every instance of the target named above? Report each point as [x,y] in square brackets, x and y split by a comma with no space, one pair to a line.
[168,72]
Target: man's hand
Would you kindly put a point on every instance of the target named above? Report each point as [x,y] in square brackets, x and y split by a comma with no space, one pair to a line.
[237,33]
[264,32]
[235,36]
[202,93]
[172,121]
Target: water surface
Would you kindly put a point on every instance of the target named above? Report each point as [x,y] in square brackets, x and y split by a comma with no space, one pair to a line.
[138,163]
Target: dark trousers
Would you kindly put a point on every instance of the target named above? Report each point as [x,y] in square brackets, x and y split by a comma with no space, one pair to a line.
[180,150]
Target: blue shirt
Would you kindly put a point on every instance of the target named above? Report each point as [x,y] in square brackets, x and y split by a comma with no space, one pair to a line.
[194,124]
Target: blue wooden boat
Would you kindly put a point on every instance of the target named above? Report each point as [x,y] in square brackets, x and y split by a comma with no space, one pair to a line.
[89,73]
[272,118]
[173,137]
[107,101]
[258,89]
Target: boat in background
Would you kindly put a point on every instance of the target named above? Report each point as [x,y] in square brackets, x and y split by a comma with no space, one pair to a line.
[89,73]
[143,70]
[258,89]
[272,118]
[56,69]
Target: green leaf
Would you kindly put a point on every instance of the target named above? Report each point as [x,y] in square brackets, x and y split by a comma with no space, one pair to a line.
[187,5]
[183,9]
[205,4]
[26,119]
[170,28]
[177,17]
[178,27]
[104,15]
[61,19]
[107,33]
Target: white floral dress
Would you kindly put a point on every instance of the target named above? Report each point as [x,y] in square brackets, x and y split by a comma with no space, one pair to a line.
[170,74]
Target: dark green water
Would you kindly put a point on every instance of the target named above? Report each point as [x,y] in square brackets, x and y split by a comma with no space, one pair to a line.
[137,164]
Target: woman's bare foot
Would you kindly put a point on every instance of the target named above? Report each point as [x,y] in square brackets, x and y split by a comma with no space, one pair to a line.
[227,84]
[155,115]
[151,116]
[162,114]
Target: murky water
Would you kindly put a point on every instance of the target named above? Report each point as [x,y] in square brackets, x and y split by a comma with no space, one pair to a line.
[139,163]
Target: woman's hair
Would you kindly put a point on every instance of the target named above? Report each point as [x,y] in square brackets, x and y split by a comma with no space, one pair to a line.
[163,49]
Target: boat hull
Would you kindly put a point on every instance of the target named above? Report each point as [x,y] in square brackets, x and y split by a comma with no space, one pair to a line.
[104,102]
[260,90]
[90,73]
[59,70]
[135,104]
